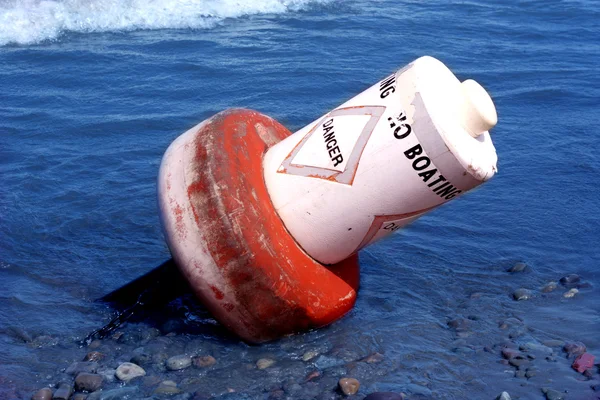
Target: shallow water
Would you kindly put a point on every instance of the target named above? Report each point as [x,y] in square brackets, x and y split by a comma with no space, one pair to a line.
[88,109]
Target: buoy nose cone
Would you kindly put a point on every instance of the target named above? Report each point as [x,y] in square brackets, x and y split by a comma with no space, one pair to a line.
[478,113]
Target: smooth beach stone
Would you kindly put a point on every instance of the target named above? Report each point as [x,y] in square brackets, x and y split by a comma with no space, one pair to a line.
[552,394]
[509,353]
[530,372]
[82,366]
[549,287]
[176,363]
[373,358]
[385,396]
[167,387]
[570,293]
[570,280]
[522,294]
[574,348]
[518,361]
[204,361]
[88,382]
[264,363]
[114,394]
[94,356]
[63,392]
[128,371]
[503,396]
[518,267]
[349,386]
[309,355]
[42,394]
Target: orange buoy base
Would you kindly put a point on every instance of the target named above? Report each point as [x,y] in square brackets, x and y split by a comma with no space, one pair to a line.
[230,244]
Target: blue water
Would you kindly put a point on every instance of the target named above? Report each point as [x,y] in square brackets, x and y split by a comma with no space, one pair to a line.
[92,93]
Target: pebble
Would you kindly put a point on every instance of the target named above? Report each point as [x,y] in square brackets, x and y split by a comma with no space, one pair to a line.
[518,267]
[176,363]
[503,396]
[87,382]
[264,363]
[553,343]
[522,294]
[552,394]
[167,387]
[509,353]
[128,371]
[94,356]
[42,394]
[520,374]
[349,386]
[570,293]
[82,366]
[518,361]
[309,355]
[549,287]
[570,280]
[574,348]
[63,392]
[141,359]
[530,372]
[385,396]
[584,362]
[373,358]
[114,394]
[79,396]
[204,361]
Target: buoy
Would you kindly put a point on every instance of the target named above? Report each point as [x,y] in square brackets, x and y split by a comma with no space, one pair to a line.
[266,225]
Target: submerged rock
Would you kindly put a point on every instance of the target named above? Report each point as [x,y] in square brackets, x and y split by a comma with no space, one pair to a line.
[264,363]
[552,394]
[349,386]
[88,382]
[385,396]
[178,362]
[63,392]
[570,293]
[570,280]
[309,355]
[167,387]
[42,394]
[522,294]
[549,287]
[574,348]
[204,361]
[114,394]
[503,396]
[82,366]
[518,267]
[128,371]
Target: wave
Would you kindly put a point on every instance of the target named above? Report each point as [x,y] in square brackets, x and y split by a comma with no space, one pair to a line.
[34,21]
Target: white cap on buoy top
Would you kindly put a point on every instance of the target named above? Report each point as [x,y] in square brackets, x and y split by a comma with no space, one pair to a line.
[408,144]
[478,114]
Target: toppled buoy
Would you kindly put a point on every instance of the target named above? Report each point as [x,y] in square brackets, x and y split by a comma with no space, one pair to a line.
[266,225]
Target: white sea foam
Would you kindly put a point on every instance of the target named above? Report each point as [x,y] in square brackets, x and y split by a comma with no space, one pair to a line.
[33,21]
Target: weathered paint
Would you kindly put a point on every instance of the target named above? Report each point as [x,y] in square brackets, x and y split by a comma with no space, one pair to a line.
[228,240]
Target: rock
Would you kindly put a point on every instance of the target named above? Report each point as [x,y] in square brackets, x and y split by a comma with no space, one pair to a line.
[553,343]
[42,394]
[82,366]
[549,287]
[63,392]
[570,293]
[79,396]
[583,362]
[309,355]
[87,382]
[509,353]
[588,374]
[574,348]
[570,280]
[459,324]
[95,344]
[94,356]
[176,363]
[128,371]
[107,373]
[385,396]
[349,386]
[312,375]
[114,394]
[373,358]
[552,394]
[522,294]
[204,361]
[141,359]
[264,363]
[518,361]
[520,374]
[518,267]
[596,388]
[167,387]
[503,396]
[530,372]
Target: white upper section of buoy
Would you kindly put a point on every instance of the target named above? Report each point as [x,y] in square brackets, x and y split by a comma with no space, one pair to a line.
[413,141]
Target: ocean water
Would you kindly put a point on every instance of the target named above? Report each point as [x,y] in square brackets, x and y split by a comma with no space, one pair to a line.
[93,91]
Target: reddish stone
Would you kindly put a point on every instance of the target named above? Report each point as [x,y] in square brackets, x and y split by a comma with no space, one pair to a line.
[583,362]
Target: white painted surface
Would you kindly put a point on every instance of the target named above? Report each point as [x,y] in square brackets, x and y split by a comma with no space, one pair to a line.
[350,178]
